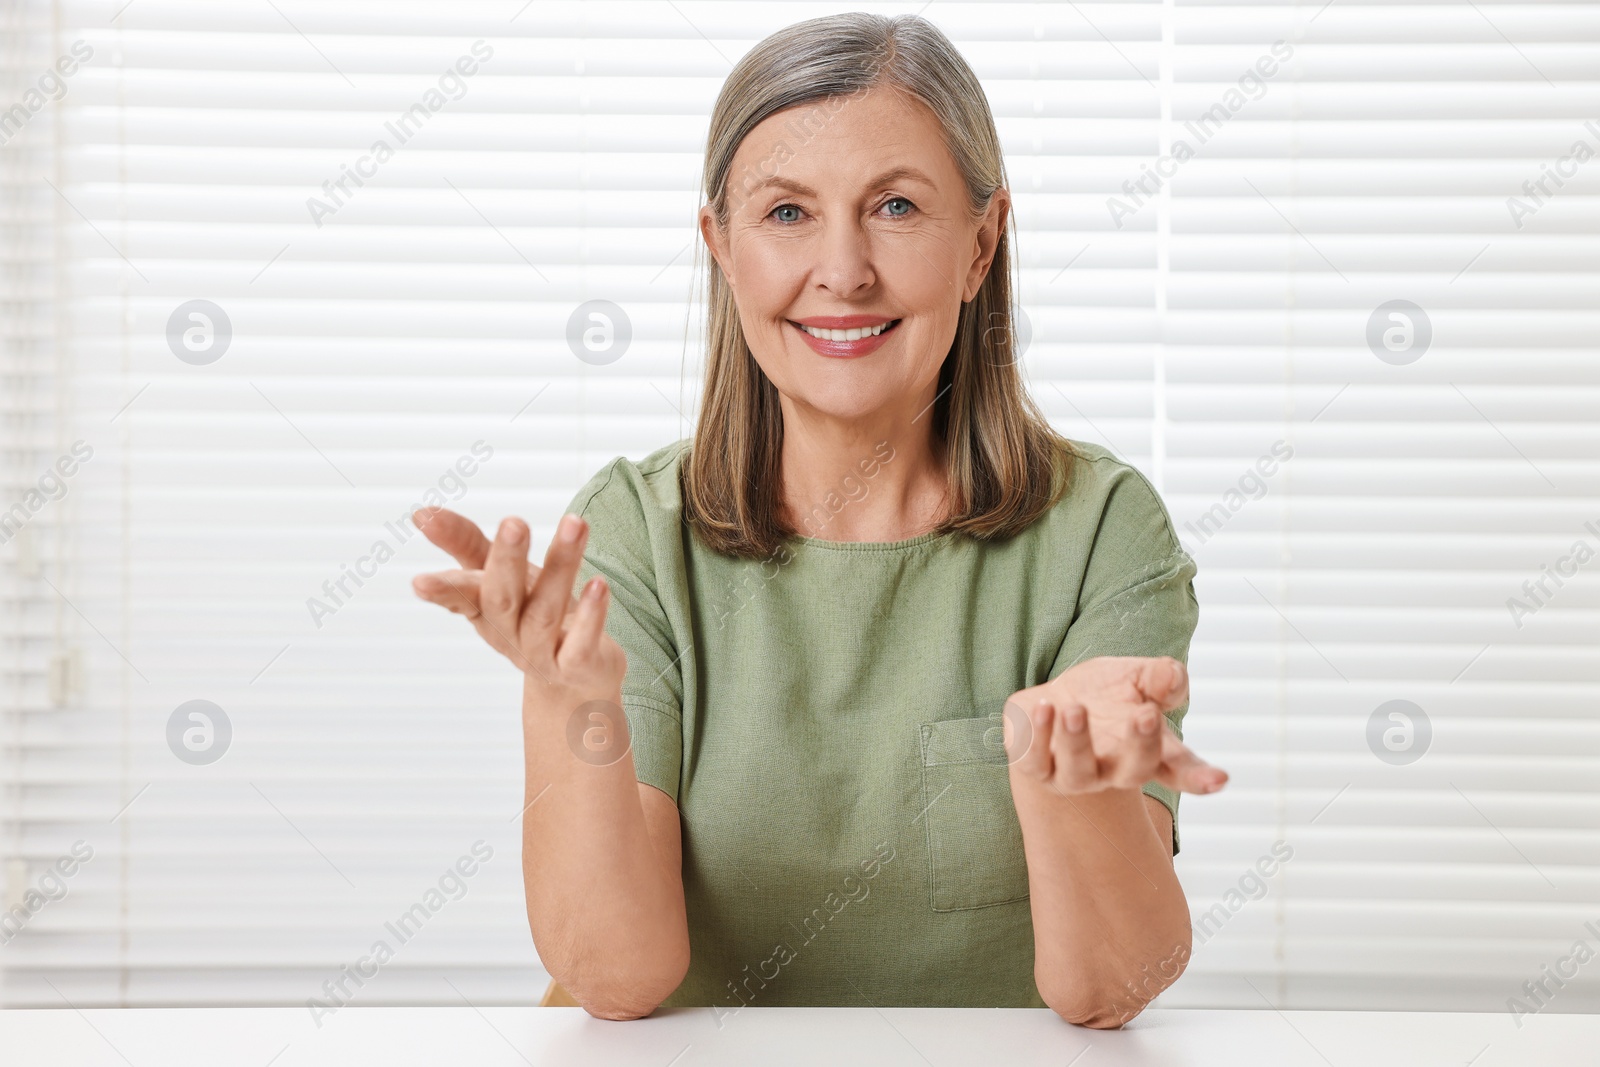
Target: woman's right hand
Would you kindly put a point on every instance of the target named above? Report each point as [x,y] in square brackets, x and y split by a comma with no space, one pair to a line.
[526,613]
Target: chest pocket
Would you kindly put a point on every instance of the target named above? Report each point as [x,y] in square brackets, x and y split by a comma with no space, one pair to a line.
[975,856]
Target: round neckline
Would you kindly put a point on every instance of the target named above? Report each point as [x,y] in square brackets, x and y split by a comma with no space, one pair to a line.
[872,546]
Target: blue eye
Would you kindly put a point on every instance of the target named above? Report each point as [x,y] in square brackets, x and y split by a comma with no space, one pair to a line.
[786,207]
[899,200]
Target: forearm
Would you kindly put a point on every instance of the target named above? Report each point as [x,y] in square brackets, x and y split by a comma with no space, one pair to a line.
[605,908]
[1111,924]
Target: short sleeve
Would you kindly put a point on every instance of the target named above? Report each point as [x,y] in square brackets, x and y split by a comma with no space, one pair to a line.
[627,549]
[1137,596]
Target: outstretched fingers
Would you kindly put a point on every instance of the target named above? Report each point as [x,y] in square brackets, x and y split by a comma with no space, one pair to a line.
[587,624]
[455,533]
[1138,758]
[1163,680]
[504,584]
[1077,767]
[1186,772]
[455,591]
[552,590]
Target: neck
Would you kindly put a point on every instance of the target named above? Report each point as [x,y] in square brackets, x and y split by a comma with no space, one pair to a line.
[876,478]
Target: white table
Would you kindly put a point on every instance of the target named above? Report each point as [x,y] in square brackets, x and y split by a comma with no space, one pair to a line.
[888,1037]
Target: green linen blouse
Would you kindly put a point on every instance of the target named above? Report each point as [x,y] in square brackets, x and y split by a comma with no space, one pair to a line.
[828,723]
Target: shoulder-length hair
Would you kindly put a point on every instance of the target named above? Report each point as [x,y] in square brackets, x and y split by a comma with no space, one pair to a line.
[1002,457]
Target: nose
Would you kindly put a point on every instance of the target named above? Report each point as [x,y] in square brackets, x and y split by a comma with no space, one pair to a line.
[844,259]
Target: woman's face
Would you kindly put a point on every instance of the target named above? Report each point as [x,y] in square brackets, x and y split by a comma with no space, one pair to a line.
[849,213]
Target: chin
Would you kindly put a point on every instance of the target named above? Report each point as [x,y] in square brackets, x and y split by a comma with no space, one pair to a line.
[845,400]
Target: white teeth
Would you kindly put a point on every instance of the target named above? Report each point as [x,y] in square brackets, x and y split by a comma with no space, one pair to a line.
[846,335]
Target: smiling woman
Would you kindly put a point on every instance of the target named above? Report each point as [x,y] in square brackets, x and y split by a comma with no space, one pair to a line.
[967,676]
[885,214]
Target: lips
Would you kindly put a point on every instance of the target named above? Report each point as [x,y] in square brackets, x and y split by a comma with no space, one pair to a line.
[846,349]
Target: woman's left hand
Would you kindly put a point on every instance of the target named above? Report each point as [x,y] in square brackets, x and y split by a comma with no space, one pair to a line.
[1099,725]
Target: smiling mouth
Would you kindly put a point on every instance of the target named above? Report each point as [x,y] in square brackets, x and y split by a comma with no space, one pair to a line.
[845,336]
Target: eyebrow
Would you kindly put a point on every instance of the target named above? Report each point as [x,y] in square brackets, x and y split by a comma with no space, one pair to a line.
[890,175]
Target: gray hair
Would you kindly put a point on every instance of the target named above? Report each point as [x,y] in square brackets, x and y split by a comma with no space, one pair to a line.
[837,58]
[1002,456]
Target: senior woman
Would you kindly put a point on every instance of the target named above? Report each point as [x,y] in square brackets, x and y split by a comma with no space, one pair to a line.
[919,753]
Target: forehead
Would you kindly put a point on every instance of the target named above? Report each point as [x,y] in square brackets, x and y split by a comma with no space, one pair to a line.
[844,141]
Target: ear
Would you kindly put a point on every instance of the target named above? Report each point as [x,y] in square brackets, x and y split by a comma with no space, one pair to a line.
[987,241]
[715,241]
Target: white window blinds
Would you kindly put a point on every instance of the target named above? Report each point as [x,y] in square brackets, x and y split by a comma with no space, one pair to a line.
[274,337]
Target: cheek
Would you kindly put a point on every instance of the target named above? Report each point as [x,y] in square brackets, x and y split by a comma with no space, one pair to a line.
[769,273]
[922,271]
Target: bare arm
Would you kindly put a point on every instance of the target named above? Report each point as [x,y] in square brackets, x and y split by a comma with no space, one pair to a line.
[1111,924]
[602,860]
[601,866]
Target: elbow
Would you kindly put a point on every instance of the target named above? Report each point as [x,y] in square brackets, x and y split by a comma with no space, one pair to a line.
[633,994]
[620,1010]
[1109,1002]
[1106,1012]
[620,1005]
